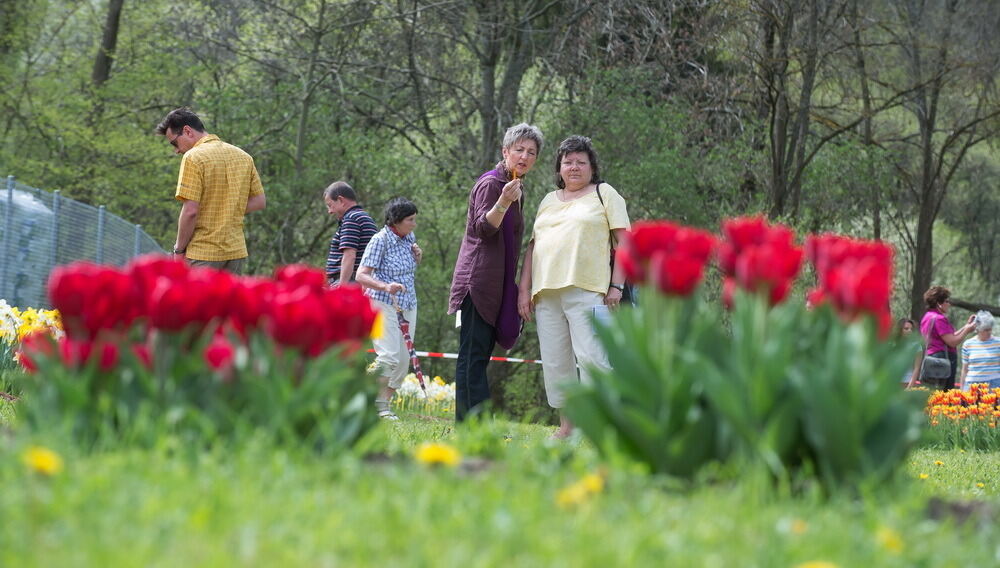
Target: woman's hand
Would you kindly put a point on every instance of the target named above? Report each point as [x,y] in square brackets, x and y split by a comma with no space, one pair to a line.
[525,307]
[511,192]
[418,254]
[395,288]
[613,297]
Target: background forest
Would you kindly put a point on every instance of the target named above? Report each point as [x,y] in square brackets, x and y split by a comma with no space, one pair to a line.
[875,119]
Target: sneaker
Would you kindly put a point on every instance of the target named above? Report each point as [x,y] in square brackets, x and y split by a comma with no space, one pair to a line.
[387,415]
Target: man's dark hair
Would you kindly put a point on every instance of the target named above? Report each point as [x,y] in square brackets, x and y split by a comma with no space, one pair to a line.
[340,189]
[577,144]
[178,119]
[397,209]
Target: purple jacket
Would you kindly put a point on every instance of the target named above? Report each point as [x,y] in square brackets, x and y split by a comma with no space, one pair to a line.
[486,268]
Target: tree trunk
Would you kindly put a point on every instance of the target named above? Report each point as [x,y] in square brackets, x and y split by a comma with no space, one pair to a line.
[106,52]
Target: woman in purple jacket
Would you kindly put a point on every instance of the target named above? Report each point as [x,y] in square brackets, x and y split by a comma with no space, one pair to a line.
[484,286]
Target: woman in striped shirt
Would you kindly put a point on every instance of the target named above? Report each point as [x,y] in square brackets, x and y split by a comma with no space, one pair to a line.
[981,354]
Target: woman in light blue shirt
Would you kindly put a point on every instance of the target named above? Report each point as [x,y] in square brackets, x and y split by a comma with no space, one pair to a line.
[981,354]
[389,268]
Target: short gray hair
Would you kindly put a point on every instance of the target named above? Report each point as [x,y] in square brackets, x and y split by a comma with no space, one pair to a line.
[523,131]
[984,320]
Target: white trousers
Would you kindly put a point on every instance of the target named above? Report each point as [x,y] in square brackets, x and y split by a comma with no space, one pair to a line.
[392,357]
[566,337]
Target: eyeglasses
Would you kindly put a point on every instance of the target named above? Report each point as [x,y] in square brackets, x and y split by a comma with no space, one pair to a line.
[174,141]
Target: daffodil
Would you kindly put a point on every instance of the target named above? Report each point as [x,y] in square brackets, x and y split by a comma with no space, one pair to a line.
[889,539]
[438,454]
[42,460]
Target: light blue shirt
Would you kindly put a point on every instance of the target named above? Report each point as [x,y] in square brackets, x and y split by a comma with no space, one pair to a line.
[392,259]
[982,358]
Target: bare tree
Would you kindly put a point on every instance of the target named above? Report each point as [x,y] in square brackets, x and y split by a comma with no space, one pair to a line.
[109,41]
[950,56]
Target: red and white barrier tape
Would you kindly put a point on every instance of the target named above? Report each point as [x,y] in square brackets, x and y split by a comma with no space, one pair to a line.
[435,355]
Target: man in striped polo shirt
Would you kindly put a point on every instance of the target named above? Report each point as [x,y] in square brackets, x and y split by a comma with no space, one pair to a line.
[355,230]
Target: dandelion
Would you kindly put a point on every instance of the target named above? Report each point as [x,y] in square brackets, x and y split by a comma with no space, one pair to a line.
[924,476]
[889,539]
[817,564]
[438,454]
[938,462]
[580,491]
[42,460]
[798,526]
[980,485]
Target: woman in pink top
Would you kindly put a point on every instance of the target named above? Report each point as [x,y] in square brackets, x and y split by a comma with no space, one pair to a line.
[942,339]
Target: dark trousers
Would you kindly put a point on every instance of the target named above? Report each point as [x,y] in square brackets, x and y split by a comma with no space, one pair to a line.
[475,346]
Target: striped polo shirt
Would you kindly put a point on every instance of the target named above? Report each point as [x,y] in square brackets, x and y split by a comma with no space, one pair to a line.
[982,359]
[355,230]
[393,261]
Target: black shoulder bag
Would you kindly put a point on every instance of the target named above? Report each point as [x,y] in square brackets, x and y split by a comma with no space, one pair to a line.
[629,295]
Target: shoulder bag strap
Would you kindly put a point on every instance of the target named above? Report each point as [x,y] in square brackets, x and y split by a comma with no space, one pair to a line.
[614,241]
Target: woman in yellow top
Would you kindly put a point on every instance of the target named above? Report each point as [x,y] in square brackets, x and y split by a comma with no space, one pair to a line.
[566,270]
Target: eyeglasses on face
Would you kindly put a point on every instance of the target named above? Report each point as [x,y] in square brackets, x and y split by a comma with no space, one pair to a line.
[174,141]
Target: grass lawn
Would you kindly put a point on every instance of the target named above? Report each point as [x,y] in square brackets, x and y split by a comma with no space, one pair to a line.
[256,505]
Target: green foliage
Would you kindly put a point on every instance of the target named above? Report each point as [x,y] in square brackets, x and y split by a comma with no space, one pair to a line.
[326,402]
[785,389]
[255,503]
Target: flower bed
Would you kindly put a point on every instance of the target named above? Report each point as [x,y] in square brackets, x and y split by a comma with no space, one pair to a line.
[965,418]
[159,347]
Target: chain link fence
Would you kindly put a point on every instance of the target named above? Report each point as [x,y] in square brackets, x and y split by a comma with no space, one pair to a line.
[41,229]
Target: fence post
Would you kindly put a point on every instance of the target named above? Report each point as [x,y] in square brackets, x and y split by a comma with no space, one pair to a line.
[56,202]
[99,254]
[8,228]
[137,240]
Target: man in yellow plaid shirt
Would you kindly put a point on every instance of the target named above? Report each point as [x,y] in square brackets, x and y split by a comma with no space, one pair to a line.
[218,185]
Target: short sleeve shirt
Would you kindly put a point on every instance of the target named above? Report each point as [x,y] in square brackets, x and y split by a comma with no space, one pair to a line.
[392,259]
[356,228]
[221,178]
[933,326]
[573,241]
[982,358]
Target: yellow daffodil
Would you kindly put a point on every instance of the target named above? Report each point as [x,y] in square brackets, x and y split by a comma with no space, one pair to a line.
[378,327]
[42,460]
[889,539]
[438,454]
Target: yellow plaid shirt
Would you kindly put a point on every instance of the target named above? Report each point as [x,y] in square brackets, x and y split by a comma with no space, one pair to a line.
[221,178]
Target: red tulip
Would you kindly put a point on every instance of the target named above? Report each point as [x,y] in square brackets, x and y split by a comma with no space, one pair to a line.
[295,275]
[219,354]
[671,256]
[77,353]
[35,345]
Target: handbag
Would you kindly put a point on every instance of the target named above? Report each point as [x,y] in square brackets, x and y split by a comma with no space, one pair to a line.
[629,293]
[935,368]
